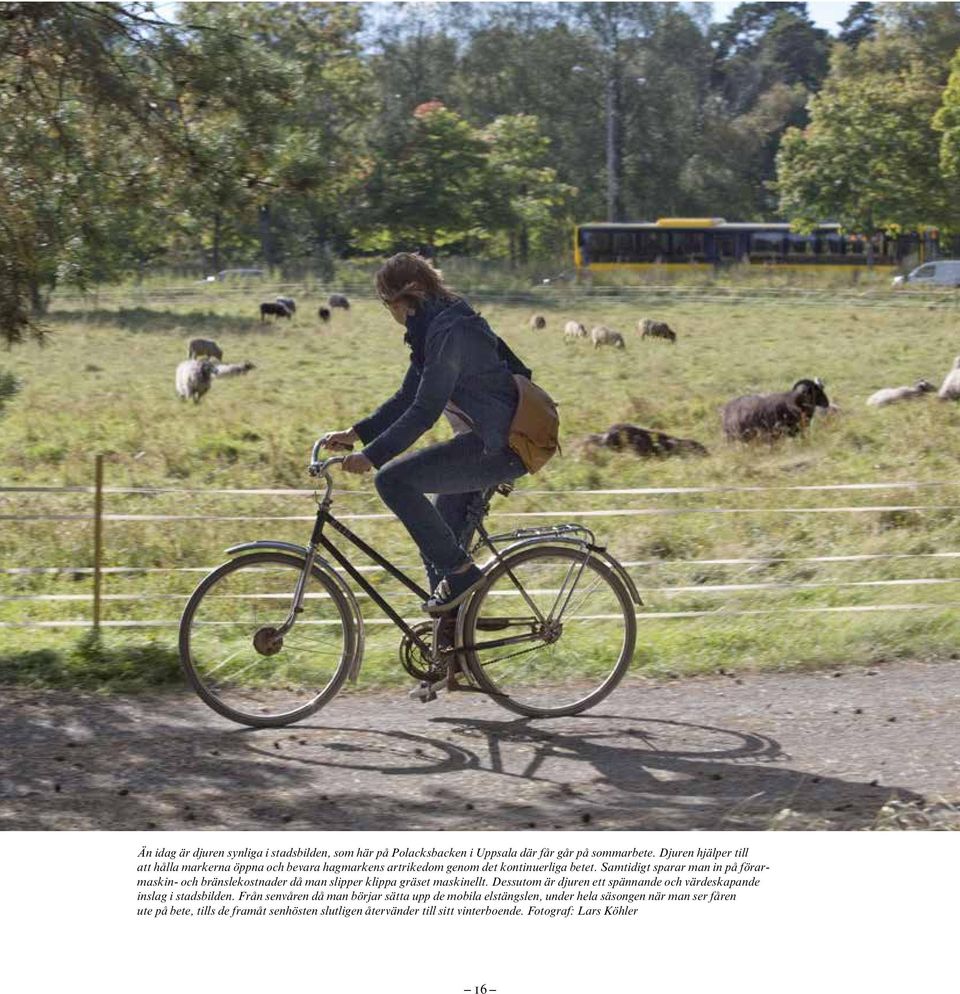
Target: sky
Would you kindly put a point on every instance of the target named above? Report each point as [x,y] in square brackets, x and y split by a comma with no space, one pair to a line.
[824,13]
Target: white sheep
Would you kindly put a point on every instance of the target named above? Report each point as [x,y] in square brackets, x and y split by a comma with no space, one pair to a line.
[950,388]
[574,329]
[204,347]
[891,395]
[602,335]
[193,378]
[232,369]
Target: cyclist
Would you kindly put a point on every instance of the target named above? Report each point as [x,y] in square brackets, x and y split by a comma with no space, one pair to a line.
[459,367]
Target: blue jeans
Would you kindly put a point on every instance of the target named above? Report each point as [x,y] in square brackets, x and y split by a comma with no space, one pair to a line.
[455,471]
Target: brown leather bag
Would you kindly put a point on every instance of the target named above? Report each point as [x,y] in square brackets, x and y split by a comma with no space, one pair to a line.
[535,429]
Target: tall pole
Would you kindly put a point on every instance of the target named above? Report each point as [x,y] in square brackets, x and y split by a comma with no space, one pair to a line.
[614,140]
[97,541]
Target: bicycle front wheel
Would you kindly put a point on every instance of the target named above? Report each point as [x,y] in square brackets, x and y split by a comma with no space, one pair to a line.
[233,657]
[569,625]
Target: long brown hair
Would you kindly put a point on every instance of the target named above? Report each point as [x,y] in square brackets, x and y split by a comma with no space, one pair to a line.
[410,277]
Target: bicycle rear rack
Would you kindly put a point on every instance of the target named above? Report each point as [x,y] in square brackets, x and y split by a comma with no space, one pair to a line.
[540,531]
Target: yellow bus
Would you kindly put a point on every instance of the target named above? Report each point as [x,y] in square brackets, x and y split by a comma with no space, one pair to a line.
[684,242]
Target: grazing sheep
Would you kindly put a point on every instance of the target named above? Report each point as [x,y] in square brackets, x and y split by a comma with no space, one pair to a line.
[645,442]
[649,328]
[193,378]
[289,303]
[324,314]
[573,329]
[338,300]
[272,307]
[772,415]
[891,395]
[950,388]
[537,322]
[602,335]
[204,347]
[233,369]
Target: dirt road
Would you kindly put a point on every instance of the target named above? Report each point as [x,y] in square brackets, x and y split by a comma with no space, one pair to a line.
[802,750]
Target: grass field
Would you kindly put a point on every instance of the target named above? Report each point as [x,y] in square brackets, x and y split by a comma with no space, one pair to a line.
[103,383]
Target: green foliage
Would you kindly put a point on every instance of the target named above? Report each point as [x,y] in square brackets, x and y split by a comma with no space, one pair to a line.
[869,157]
[947,121]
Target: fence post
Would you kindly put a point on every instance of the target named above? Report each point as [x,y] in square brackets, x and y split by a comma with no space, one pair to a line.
[97,541]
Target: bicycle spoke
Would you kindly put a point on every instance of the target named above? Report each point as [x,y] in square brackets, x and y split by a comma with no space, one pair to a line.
[583,646]
[227,650]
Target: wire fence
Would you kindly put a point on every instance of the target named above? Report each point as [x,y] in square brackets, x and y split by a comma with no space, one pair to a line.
[666,583]
[549,294]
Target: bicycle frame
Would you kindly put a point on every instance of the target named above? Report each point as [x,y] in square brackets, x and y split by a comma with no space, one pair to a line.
[520,537]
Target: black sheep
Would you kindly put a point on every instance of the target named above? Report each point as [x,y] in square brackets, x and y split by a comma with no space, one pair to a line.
[272,307]
[773,415]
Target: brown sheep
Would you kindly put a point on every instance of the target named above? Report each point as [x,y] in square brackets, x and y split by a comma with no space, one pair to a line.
[656,329]
[537,322]
[645,442]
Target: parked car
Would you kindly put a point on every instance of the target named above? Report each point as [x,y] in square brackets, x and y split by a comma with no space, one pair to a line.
[943,272]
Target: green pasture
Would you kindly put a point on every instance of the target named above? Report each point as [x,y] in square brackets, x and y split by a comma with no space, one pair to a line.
[103,383]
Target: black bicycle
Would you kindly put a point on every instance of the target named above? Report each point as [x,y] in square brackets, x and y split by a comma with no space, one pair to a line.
[271,635]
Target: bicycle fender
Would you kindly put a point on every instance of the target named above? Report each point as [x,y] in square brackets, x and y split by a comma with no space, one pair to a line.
[301,552]
[620,570]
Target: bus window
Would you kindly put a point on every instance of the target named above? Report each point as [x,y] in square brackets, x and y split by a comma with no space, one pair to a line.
[800,245]
[766,244]
[653,245]
[624,249]
[687,246]
[833,245]
[596,246]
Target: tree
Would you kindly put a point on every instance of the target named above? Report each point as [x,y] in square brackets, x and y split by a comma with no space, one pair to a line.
[429,183]
[618,30]
[530,201]
[868,157]
[74,88]
[946,121]
[859,24]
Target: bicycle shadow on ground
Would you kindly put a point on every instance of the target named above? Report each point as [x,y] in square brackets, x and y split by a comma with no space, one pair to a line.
[76,760]
[654,773]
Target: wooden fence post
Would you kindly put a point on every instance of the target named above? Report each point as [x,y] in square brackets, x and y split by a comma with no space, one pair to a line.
[97,542]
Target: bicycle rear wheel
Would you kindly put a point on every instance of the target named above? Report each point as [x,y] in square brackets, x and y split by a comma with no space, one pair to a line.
[576,621]
[232,656]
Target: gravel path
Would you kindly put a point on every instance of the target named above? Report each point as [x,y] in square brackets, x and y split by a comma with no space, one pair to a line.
[793,750]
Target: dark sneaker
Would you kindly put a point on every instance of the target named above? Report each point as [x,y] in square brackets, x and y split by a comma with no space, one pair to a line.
[453,589]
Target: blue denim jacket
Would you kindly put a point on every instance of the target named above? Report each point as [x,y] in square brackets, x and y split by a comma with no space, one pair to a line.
[460,364]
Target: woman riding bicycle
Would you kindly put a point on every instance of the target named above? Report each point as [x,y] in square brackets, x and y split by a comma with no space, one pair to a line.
[458,366]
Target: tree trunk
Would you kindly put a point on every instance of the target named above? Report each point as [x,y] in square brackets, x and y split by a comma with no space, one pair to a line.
[523,245]
[266,236]
[614,142]
[38,299]
[217,236]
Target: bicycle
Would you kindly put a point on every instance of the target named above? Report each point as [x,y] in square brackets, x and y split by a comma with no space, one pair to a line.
[271,635]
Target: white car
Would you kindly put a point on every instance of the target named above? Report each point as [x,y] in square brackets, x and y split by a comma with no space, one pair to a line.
[943,272]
